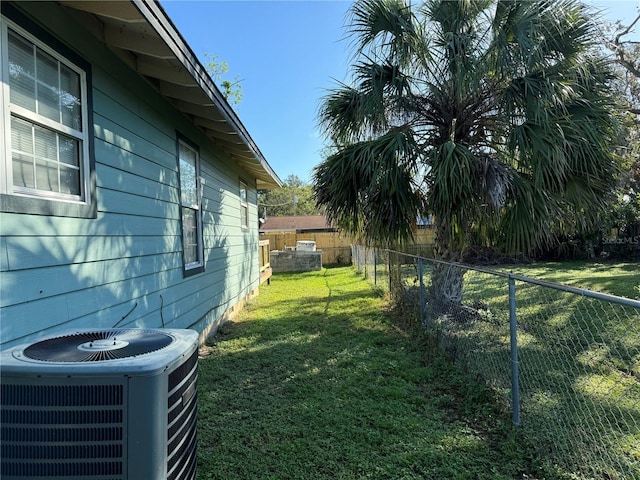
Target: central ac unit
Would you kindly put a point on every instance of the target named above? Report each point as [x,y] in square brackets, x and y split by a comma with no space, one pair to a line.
[115,404]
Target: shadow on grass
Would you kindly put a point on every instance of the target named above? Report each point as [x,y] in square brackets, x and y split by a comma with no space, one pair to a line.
[579,370]
[579,378]
[315,380]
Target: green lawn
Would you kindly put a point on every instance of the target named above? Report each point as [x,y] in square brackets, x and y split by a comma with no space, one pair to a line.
[579,359]
[317,380]
[580,368]
[619,278]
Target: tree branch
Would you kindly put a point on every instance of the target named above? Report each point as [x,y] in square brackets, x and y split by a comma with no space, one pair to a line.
[633,69]
[619,49]
[626,31]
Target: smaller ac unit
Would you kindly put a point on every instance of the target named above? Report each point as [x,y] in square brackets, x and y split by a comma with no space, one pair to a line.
[305,246]
[114,404]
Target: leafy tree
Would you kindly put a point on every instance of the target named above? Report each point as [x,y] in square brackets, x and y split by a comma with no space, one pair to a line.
[494,115]
[231,90]
[625,210]
[294,198]
[627,53]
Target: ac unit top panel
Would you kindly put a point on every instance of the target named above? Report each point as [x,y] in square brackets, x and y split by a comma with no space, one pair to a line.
[121,351]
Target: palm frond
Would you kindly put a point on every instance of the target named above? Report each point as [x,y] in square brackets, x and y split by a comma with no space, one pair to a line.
[387,25]
[381,97]
[457,17]
[368,188]
[528,217]
[378,79]
[541,154]
[343,115]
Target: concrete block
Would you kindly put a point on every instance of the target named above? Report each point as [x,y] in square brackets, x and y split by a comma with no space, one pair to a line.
[296,261]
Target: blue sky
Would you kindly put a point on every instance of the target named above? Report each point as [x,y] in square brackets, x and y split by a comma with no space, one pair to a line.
[287,53]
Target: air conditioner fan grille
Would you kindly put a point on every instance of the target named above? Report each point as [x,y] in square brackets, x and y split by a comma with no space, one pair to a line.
[96,346]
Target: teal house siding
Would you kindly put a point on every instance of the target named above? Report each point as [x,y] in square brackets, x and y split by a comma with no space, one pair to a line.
[123,266]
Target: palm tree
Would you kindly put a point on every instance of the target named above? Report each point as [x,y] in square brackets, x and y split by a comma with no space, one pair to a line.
[494,116]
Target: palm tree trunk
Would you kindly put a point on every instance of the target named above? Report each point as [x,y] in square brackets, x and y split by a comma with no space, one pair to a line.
[446,279]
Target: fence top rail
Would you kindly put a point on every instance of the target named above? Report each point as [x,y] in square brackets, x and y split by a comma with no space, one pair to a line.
[557,286]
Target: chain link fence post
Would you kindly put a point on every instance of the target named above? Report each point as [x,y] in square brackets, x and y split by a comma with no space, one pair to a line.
[513,327]
[423,317]
[375,266]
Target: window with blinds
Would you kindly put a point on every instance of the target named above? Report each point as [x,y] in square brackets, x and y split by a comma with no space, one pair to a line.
[244,206]
[190,196]
[44,120]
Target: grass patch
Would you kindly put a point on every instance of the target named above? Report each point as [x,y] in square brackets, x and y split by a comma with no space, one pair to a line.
[316,380]
[580,368]
[579,359]
[615,278]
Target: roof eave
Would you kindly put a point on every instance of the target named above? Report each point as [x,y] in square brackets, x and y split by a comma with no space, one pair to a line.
[162,55]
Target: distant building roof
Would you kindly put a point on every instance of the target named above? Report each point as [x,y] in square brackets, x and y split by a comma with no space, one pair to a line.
[298,223]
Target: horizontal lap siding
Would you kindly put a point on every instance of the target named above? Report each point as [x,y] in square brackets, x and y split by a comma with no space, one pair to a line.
[125,267]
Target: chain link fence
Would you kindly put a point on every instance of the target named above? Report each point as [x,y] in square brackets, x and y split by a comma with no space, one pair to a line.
[565,361]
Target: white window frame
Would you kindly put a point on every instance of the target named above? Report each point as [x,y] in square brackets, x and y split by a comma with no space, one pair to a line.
[9,110]
[198,265]
[244,206]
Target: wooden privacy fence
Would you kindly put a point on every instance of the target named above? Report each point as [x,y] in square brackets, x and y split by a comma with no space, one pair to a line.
[336,246]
